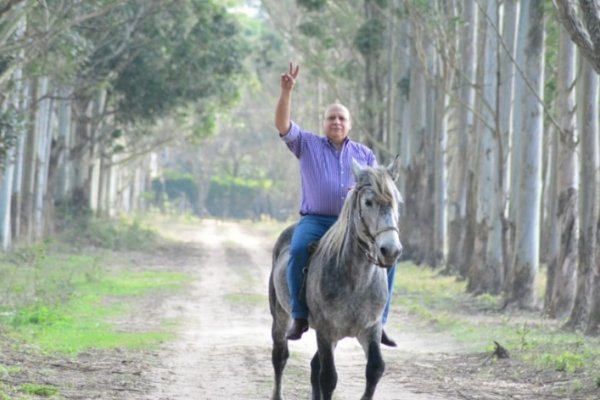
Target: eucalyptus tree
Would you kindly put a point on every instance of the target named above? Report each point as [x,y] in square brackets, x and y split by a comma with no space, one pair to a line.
[413,142]
[487,270]
[445,76]
[101,72]
[332,65]
[506,99]
[11,140]
[173,58]
[563,215]
[461,171]
[583,25]
[526,262]
[590,122]
[585,295]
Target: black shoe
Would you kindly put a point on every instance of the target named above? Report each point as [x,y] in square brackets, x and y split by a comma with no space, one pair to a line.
[386,340]
[295,331]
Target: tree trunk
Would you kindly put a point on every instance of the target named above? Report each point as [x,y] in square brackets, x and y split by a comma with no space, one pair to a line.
[29,166]
[516,157]
[590,126]
[6,189]
[506,100]
[459,179]
[564,223]
[44,128]
[590,163]
[527,238]
[487,273]
[415,171]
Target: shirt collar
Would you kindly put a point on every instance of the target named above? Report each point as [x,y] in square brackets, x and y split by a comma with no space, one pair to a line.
[346,140]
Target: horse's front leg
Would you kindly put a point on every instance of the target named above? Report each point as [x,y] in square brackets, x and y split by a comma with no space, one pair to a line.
[327,374]
[315,370]
[375,363]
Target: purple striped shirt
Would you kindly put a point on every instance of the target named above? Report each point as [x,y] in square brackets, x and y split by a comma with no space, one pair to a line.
[325,173]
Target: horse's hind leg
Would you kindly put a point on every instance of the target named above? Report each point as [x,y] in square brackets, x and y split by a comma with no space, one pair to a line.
[279,354]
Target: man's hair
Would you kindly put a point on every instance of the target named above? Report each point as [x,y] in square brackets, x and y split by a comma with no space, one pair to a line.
[336,105]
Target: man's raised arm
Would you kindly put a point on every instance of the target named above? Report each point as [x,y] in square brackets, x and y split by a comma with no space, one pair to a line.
[284,105]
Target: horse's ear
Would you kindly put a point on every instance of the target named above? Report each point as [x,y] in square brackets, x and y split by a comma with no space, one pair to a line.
[394,168]
[356,169]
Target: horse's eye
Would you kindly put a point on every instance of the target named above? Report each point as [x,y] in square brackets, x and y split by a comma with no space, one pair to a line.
[369,203]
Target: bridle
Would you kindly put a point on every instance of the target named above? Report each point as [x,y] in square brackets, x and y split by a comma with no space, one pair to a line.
[368,245]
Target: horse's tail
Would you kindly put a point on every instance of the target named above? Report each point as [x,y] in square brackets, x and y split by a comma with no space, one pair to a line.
[284,238]
[282,243]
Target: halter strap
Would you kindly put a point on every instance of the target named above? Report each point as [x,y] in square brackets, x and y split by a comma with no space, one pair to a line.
[367,247]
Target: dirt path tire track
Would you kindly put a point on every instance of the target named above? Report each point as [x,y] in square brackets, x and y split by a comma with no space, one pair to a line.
[224,347]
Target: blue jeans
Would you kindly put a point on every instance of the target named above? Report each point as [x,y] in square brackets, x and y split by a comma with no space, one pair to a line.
[309,229]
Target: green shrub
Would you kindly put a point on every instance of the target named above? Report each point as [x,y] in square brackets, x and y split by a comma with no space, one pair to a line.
[236,197]
[176,186]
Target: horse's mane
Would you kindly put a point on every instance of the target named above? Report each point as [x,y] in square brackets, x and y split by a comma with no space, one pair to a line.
[386,192]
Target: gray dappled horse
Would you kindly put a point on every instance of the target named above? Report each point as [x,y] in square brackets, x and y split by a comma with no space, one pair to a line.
[346,282]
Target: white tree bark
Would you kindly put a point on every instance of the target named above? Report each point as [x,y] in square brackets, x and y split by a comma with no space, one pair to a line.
[7,184]
[507,52]
[440,231]
[487,273]
[589,212]
[6,189]
[459,170]
[564,220]
[43,126]
[583,27]
[590,124]
[527,238]
[64,179]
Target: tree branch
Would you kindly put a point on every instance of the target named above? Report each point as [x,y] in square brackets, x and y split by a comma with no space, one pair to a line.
[6,8]
[587,40]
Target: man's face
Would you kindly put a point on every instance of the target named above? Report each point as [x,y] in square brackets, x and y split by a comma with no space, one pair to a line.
[337,124]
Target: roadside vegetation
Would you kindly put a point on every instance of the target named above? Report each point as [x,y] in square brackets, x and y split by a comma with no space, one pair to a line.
[534,344]
[61,297]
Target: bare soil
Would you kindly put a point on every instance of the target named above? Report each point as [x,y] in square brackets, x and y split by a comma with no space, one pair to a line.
[222,345]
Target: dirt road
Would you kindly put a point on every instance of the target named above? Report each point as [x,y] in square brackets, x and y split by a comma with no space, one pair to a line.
[224,347]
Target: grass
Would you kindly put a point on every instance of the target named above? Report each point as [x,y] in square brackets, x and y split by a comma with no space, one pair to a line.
[39,390]
[476,322]
[246,299]
[60,296]
[64,301]
[83,322]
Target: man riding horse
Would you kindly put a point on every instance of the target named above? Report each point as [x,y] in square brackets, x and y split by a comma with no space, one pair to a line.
[326,177]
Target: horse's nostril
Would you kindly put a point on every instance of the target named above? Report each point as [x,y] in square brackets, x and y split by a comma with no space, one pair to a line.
[390,253]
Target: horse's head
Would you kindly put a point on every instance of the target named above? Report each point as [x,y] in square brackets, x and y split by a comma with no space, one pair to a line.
[377,211]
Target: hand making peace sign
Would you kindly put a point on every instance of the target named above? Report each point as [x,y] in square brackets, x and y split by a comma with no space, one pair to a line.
[288,80]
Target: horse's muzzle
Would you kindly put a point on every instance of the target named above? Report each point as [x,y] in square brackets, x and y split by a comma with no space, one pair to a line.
[389,255]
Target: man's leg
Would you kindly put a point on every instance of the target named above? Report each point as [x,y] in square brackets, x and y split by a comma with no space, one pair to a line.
[385,339]
[310,228]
